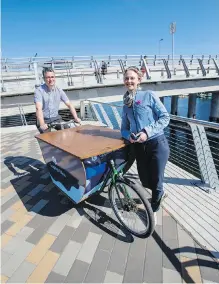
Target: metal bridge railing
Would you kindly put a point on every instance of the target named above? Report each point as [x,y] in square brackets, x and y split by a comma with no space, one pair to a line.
[13,115]
[59,63]
[194,144]
[80,71]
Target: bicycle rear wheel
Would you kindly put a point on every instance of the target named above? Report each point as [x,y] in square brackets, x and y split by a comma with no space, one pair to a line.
[131,207]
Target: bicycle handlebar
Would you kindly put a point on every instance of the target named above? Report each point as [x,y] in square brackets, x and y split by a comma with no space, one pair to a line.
[70,123]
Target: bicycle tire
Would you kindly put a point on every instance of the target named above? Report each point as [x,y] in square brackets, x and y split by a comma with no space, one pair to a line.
[139,191]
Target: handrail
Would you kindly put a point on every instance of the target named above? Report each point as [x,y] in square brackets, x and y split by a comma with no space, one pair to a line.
[15,105]
[27,60]
[196,121]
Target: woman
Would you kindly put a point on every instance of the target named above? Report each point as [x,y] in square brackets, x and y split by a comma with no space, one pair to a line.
[143,120]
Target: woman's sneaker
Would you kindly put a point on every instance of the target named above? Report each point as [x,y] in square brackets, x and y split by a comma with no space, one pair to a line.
[156,205]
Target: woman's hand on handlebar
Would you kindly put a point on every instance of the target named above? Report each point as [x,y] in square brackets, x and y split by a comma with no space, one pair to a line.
[44,126]
[77,120]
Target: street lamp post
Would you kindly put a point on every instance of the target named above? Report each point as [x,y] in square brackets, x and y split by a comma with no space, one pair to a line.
[172,31]
[159,47]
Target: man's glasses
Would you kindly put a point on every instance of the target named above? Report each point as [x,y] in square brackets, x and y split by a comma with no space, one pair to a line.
[51,77]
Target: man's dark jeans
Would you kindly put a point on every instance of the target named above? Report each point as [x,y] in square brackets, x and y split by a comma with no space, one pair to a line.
[151,158]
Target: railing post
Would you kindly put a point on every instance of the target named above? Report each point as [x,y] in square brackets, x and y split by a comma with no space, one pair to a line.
[185,68]
[148,75]
[125,62]
[200,61]
[82,75]
[53,63]
[118,74]
[30,65]
[73,64]
[121,65]
[216,67]
[21,115]
[6,65]
[214,112]
[91,62]
[22,110]
[167,68]
[35,67]
[205,160]
[109,63]
[82,109]
[3,89]
[174,105]
[192,106]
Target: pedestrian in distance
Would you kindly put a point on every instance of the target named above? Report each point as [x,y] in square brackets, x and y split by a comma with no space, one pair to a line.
[103,69]
[144,118]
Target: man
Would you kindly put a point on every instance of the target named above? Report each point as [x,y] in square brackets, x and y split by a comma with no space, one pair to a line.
[104,69]
[47,99]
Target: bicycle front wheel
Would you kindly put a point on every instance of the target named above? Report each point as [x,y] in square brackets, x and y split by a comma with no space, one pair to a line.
[131,207]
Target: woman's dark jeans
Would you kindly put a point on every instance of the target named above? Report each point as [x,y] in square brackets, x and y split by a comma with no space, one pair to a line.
[151,158]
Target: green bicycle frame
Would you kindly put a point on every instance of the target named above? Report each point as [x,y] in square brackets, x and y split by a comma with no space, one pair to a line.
[113,175]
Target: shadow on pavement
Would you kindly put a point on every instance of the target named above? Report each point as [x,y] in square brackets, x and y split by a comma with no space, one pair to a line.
[34,187]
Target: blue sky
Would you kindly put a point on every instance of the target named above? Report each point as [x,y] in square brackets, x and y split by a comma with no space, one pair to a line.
[98,27]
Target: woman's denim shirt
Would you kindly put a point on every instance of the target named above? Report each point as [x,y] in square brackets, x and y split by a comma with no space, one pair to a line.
[146,114]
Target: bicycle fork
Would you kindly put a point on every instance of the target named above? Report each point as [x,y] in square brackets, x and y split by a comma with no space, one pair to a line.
[122,190]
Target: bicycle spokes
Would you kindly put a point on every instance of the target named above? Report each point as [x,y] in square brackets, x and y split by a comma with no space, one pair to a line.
[130,208]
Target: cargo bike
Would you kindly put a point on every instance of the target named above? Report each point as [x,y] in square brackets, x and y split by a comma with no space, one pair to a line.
[84,160]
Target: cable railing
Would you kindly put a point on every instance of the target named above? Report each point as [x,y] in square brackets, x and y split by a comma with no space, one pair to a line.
[194,144]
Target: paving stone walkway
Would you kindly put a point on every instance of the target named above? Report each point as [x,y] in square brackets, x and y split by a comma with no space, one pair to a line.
[45,238]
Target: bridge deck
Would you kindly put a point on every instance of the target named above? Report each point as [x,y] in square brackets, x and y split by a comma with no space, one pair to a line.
[46,239]
[82,80]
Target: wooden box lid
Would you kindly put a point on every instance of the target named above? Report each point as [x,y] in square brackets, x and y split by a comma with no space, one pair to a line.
[84,141]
